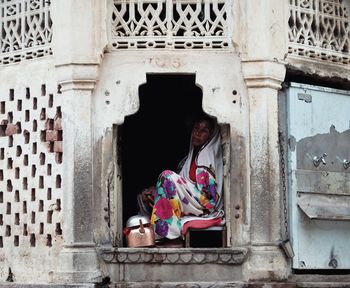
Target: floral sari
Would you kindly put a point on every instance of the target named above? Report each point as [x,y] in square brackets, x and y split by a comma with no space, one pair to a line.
[178,197]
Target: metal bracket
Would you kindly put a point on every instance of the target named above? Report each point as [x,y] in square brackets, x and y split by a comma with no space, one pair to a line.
[346,163]
[287,248]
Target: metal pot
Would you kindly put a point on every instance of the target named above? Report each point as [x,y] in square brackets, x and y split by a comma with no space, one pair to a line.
[134,221]
[139,232]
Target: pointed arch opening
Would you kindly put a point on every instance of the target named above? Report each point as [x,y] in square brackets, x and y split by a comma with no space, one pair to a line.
[157,137]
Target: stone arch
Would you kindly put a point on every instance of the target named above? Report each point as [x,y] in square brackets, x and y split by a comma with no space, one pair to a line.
[156,137]
[117,96]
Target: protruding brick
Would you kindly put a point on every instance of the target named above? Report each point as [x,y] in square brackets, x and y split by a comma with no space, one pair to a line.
[51,135]
[58,124]
[10,129]
[57,146]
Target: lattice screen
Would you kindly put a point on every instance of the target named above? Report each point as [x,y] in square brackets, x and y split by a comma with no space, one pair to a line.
[26,30]
[30,167]
[320,29]
[181,24]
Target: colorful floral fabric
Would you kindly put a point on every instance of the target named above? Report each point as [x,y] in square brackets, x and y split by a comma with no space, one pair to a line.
[177,196]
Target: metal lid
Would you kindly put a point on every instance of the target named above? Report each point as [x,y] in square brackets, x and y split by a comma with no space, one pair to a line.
[135,221]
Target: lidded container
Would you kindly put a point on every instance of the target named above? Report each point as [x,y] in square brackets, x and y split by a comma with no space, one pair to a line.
[139,232]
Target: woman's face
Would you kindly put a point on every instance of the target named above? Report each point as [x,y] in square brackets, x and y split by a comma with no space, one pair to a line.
[200,133]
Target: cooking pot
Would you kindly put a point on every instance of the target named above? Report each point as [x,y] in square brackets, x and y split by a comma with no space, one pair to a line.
[139,232]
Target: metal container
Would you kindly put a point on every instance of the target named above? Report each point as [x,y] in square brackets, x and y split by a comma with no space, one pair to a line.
[139,232]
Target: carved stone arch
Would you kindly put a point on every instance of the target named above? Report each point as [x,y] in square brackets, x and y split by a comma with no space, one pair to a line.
[117,96]
[121,190]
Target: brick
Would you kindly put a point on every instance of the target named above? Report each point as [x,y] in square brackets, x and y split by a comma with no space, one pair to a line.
[10,129]
[51,135]
[57,146]
[58,124]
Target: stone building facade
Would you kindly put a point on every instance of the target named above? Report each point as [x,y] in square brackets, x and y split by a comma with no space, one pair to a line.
[75,75]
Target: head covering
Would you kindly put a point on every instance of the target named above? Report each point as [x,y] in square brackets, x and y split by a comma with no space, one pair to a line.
[210,156]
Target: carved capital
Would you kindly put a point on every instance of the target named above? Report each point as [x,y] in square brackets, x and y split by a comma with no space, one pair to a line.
[264,73]
[73,76]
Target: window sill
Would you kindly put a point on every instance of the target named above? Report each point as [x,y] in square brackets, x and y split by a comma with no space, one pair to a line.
[232,256]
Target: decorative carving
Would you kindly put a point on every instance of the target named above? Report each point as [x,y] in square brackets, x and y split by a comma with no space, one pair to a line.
[320,29]
[174,256]
[179,24]
[26,30]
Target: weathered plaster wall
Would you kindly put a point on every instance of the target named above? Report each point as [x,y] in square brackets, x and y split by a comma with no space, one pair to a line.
[100,87]
[31,172]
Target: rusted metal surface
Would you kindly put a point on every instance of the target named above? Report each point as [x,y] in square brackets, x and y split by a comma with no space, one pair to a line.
[334,144]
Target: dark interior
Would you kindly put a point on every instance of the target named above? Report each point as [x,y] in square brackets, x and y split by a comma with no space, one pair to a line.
[157,137]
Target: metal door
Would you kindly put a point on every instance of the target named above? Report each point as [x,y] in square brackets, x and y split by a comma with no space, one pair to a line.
[319,176]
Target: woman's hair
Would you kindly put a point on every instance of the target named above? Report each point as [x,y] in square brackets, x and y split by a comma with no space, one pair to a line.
[210,120]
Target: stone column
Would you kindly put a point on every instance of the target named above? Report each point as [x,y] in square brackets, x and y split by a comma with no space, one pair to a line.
[77,47]
[263,48]
[263,79]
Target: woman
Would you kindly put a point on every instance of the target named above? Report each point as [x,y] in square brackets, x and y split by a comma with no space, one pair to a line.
[196,190]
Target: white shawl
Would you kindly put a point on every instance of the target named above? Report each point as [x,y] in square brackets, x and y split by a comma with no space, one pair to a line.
[210,156]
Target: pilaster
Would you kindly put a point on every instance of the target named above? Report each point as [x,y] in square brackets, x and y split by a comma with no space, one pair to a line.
[263,46]
[263,79]
[78,47]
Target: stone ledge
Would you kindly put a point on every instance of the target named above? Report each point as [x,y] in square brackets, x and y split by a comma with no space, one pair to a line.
[183,285]
[233,256]
[233,284]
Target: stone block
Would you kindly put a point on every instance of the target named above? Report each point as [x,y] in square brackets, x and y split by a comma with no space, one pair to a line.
[57,146]
[10,129]
[58,124]
[51,135]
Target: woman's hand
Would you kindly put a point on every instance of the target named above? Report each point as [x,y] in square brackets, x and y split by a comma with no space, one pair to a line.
[148,195]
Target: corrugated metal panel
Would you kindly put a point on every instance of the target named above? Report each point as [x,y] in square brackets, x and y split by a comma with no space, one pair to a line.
[319,184]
